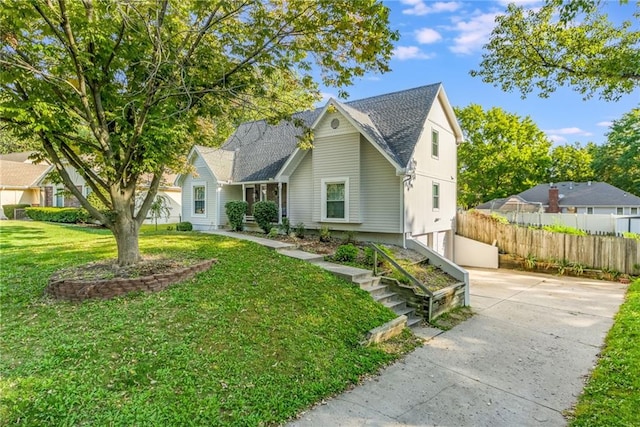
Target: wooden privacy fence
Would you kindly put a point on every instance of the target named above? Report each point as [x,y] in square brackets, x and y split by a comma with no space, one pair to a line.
[599,252]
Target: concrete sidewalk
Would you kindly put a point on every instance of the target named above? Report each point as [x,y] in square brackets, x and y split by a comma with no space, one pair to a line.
[520,361]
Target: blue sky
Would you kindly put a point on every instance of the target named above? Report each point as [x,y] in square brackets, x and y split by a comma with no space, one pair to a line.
[441,41]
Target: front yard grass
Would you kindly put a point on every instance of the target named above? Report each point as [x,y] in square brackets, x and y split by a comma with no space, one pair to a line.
[253,341]
[612,394]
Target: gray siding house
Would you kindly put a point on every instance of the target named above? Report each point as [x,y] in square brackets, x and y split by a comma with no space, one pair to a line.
[384,167]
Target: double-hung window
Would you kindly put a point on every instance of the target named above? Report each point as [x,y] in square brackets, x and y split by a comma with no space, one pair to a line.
[199,199]
[435,144]
[435,195]
[335,195]
[619,211]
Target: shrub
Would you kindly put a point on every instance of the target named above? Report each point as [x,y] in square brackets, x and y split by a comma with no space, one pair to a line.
[273,232]
[9,210]
[236,209]
[350,237]
[64,215]
[286,226]
[560,228]
[346,253]
[265,214]
[299,230]
[184,226]
[325,234]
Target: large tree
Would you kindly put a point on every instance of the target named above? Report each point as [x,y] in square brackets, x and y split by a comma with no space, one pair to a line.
[503,154]
[563,43]
[572,162]
[618,160]
[118,89]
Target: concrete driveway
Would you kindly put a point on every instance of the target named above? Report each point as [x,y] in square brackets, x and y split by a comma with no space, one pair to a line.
[520,361]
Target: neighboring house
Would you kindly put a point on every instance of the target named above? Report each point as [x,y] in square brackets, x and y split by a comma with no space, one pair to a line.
[569,197]
[384,167]
[19,183]
[22,182]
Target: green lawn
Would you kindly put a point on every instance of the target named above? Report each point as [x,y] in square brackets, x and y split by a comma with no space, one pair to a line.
[253,341]
[612,395]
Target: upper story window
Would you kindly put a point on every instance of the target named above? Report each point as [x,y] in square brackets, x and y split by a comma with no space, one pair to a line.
[435,143]
[619,211]
[435,195]
[634,211]
[590,211]
[335,196]
[199,199]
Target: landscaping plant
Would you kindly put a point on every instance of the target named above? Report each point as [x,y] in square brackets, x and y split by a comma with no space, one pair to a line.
[236,210]
[265,213]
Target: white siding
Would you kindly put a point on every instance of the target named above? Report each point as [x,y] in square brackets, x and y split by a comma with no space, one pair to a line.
[421,217]
[301,195]
[202,176]
[227,193]
[381,191]
[336,154]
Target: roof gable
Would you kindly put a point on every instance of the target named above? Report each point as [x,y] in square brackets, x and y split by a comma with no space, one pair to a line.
[582,194]
[21,175]
[392,122]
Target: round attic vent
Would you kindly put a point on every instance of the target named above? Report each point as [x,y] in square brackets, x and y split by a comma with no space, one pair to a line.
[335,123]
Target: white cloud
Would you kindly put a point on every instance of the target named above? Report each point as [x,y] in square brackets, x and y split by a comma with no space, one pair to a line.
[557,139]
[569,131]
[420,7]
[326,96]
[410,52]
[427,36]
[604,124]
[473,34]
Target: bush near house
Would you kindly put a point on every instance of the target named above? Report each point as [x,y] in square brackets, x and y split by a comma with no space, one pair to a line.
[265,213]
[184,226]
[236,210]
[9,210]
[64,215]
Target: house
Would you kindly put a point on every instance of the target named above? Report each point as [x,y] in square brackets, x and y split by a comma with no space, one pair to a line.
[22,182]
[569,197]
[384,167]
[19,183]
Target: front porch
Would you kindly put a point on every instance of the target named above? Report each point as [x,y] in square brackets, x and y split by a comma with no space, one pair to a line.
[266,191]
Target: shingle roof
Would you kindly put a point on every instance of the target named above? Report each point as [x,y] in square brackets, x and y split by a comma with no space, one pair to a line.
[393,121]
[582,194]
[21,157]
[219,161]
[20,175]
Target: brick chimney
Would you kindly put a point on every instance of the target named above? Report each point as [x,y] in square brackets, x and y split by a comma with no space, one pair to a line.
[554,198]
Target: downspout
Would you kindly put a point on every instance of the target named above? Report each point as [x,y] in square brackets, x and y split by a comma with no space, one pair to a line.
[404,214]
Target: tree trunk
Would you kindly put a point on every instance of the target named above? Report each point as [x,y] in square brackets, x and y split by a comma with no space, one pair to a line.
[125,228]
[126,231]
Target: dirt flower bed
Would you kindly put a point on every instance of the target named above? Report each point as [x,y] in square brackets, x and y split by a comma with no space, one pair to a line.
[412,261]
[109,269]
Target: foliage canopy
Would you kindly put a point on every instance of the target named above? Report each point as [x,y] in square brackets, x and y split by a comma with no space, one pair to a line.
[120,90]
[563,44]
[504,154]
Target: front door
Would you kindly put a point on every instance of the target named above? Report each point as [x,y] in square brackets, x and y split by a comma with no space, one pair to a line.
[250,198]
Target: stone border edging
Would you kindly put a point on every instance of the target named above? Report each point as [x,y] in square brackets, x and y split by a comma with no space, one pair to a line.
[80,290]
[385,332]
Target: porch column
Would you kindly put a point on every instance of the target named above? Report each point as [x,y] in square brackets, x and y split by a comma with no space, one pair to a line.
[279,202]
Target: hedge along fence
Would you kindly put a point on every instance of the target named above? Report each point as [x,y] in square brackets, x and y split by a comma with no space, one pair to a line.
[9,210]
[599,252]
[66,215]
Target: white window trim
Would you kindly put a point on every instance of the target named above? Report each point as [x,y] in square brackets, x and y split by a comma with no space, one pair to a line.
[323,191]
[435,131]
[622,213]
[433,184]
[193,199]
[631,211]
[587,211]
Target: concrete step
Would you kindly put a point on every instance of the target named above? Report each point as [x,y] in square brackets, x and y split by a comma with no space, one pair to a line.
[374,291]
[367,280]
[298,254]
[386,297]
[344,271]
[406,311]
[414,321]
[396,305]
